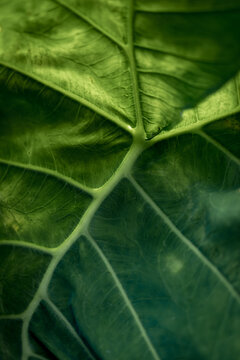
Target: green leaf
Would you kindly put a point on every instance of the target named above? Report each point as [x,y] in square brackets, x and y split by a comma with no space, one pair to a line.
[126,59]
[119,206]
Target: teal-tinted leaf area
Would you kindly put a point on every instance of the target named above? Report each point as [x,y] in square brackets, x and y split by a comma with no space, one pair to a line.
[59,340]
[39,349]
[86,290]
[17,283]
[167,283]
[43,128]
[41,358]
[10,339]
[146,281]
[38,208]
[196,183]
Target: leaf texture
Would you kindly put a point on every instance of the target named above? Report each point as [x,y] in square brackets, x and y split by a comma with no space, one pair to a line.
[119,180]
[153,65]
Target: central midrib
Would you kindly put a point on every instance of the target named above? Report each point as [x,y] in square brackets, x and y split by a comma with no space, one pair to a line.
[133,70]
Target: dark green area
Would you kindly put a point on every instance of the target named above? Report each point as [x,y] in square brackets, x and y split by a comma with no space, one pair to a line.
[20,272]
[10,339]
[59,340]
[44,128]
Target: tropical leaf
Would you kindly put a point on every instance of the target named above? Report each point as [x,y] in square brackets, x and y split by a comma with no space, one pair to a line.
[124,60]
[119,208]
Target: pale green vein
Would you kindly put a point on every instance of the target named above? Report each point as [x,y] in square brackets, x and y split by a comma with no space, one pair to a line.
[89,21]
[132,62]
[185,240]
[52,173]
[27,245]
[219,146]
[124,296]
[69,327]
[70,95]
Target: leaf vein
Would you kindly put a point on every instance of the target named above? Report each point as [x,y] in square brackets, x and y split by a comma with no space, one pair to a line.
[53,173]
[219,146]
[185,240]
[27,245]
[125,296]
[70,95]
[69,327]
[89,21]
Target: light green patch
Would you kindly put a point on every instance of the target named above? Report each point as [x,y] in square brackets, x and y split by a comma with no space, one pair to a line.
[174,264]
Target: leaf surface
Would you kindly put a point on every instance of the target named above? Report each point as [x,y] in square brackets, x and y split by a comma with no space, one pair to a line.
[119,206]
[122,60]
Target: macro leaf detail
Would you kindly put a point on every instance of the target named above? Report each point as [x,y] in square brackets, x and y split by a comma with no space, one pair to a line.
[119,180]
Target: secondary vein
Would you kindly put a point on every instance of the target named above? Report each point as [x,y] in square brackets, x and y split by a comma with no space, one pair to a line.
[219,146]
[185,240]
[70,95]
[132,62]
[126,164]
[192,128]
[27,245]
[124,295]
[53,173]
[69,327]
[89,21]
